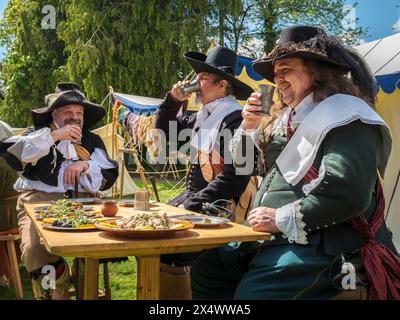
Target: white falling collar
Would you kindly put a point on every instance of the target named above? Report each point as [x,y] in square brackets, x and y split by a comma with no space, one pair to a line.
[335,111]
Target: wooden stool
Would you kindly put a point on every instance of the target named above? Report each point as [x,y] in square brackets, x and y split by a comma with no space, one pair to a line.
[13,262]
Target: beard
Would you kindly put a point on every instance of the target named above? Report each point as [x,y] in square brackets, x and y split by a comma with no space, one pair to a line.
[73,121]
[197,99]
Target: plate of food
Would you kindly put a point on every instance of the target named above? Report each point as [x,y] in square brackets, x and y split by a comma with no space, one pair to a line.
[62,208]
[41,208]
[127,203]
[71,224]
[87,200]
[131,204]
[145,225]
[203,221]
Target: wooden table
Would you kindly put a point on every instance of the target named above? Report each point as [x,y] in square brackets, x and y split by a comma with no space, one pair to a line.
[95,245]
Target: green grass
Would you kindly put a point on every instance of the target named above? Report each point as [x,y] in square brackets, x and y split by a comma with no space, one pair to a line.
[122,274]
[9,293]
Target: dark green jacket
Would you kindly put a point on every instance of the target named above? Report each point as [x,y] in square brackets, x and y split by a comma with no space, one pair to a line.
[350,156]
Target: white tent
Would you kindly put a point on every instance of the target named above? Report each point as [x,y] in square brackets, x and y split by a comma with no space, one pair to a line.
[383,57]
[128,186]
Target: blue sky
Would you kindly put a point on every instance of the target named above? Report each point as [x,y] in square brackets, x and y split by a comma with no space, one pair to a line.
[379,16]
[3,4]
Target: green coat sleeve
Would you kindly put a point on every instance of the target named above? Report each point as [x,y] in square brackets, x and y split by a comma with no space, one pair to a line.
[350,156]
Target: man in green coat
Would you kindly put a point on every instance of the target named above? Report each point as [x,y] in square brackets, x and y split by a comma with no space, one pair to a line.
[8,203]
[324,149]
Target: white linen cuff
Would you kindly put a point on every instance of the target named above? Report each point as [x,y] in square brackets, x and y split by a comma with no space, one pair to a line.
[92,178]
[289,222]
[243,156]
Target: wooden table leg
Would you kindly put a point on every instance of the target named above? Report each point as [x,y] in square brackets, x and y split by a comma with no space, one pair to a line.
[15,275]
[148,277]
[91,283]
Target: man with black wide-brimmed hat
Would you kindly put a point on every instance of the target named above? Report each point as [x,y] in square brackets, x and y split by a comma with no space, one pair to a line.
[58,158]
[325,149]
[211,177]
[219,110]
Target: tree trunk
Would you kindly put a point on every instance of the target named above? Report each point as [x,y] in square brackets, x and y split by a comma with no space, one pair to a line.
[269,20]
[221,26]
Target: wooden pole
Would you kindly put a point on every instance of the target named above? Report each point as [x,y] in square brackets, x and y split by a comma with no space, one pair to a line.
[138,164]
[121,187]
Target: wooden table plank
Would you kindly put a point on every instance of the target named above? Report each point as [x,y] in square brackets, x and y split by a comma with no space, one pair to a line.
[93,245]
[105,244]
[148,280]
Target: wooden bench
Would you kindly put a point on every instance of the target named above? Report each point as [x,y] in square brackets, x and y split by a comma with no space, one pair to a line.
[10,240]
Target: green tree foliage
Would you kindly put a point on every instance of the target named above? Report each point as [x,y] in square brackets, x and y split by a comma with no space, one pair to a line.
[136,46]
[329,14]
[249,21]
[34,61]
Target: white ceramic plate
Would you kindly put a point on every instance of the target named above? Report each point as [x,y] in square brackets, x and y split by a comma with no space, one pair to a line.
[198,220]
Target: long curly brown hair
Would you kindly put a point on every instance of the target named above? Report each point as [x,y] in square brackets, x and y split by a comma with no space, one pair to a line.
[327,80]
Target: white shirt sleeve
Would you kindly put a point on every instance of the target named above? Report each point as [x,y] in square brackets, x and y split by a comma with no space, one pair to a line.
[244,161]
[254,134]
[30,148]
[92,179]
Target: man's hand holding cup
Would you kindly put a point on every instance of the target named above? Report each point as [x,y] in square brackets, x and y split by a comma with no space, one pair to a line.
[70,132]
[175,92]
[252,111]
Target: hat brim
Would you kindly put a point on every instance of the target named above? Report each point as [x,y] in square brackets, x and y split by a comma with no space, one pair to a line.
[265,67]
[92,114]
[197,60]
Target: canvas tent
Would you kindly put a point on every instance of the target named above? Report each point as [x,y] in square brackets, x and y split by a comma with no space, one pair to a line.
[128,187]
[383,57]
[137,104]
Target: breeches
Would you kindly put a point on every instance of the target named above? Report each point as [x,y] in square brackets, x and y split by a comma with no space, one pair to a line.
[270,272]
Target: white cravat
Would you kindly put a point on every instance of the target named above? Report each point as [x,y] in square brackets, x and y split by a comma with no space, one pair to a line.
[208,121]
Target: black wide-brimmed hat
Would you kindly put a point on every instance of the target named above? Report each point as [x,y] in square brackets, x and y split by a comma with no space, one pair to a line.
[302,42]
[221,61]
[67,93]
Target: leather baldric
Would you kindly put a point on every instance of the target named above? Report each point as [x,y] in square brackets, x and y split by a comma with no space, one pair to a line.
[211,165]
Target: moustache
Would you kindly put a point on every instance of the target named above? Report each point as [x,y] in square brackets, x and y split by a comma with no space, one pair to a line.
[73,121]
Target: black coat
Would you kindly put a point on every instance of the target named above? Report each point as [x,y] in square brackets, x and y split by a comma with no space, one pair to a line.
[226,185]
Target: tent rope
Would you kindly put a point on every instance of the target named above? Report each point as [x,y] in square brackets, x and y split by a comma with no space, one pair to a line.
[387,63]
[98,27]
[373,47]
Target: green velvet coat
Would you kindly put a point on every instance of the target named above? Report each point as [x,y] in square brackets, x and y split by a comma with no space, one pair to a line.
[281,270]
[350,156]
